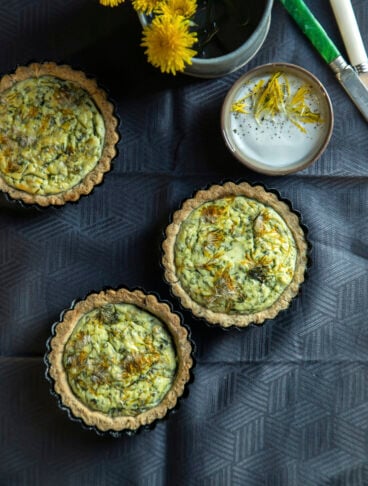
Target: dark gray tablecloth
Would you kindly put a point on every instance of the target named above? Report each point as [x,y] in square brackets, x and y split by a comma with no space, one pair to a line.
[282,404]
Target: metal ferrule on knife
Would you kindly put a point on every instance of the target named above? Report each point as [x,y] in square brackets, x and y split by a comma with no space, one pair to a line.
[338,65]
[362,67]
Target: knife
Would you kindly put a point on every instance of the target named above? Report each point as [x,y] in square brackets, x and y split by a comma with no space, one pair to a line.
[349,28]
[345,74]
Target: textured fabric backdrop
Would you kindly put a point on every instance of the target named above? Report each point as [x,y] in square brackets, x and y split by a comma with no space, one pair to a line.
[279,405]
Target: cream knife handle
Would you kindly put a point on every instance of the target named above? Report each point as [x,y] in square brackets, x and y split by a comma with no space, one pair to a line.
[349,29]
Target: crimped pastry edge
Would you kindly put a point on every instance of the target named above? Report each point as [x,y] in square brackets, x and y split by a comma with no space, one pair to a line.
[106,108]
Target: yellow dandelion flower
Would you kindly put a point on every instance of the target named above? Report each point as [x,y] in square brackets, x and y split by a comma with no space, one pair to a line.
[111,3]
[168,43]
[186,8]
[146,6]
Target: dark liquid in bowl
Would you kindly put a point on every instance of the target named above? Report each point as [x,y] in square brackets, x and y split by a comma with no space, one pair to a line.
[224,25]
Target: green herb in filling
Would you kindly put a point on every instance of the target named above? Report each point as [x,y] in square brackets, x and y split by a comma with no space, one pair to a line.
[120,360]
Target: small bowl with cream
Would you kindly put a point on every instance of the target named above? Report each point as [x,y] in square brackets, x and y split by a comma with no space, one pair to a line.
[277,119]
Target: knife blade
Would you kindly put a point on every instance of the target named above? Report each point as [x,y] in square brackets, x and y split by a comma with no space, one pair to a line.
[345,74]
[350,33]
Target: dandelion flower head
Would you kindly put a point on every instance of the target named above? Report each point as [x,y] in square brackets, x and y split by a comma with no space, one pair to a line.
[168,43]
[186,8]
[111,3]
[146,6]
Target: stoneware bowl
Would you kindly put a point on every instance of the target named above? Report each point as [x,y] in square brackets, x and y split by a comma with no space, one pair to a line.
[282,143]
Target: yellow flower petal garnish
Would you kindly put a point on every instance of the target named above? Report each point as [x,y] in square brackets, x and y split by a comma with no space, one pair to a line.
[298,110]
[185,8]
[271,100]
[111,3]
[239,106]
[274,98]
[146,6]
[168,43]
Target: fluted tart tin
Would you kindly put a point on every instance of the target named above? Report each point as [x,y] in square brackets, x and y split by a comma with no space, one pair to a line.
[119,360]
[235,254]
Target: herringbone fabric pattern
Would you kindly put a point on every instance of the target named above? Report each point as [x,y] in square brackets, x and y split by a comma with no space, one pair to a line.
[285,404]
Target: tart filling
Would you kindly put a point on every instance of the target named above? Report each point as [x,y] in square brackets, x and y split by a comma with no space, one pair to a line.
[51,135]
[235,255]
[120,360]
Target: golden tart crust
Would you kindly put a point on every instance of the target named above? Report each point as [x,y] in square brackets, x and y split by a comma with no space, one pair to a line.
[100,108]
[234,283]
[147,303]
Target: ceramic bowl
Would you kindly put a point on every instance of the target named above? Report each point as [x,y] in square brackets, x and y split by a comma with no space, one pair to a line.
[281,143]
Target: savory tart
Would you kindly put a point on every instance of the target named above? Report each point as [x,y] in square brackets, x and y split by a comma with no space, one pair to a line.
[119,359]
[235,254]
[57,134]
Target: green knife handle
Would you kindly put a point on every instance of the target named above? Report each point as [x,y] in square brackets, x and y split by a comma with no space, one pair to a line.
[312,29]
